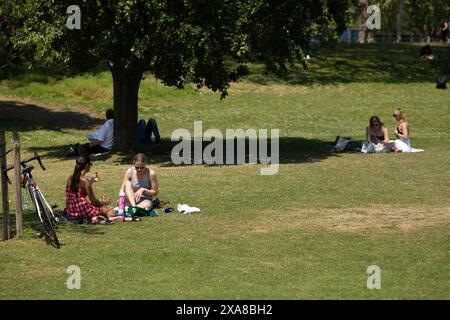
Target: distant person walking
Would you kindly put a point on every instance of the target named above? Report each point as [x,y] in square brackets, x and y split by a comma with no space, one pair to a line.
[433,34]
[444,32]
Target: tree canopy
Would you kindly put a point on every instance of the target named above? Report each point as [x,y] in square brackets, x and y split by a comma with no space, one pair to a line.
[418,16]
[178,41]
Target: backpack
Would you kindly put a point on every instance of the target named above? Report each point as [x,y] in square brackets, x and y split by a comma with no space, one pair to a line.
[342,144]
[441,82]
[142,136]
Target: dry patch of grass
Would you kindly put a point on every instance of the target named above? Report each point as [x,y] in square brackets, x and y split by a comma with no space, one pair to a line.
[255,88]
[369,220]
[246,87]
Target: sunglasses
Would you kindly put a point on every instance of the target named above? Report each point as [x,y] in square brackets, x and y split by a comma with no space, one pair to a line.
[139,168]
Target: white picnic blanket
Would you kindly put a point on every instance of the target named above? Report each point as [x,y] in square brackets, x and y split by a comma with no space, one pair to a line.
[405,146]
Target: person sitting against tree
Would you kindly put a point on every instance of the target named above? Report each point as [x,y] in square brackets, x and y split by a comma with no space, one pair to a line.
[139,183]
[78,189]
[101,141]
[146,130]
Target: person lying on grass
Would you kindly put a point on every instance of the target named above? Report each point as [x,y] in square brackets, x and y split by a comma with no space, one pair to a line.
[78,189]
[140,183]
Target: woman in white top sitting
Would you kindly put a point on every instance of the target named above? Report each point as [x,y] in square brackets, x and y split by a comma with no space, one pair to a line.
[402,144]
[140,183]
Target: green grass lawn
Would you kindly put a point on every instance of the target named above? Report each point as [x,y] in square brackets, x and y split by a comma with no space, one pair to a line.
[308,232]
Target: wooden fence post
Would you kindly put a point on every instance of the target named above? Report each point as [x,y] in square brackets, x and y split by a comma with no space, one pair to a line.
[17,174]
[4,183]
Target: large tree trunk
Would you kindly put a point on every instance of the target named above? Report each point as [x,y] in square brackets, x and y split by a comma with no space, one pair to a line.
[126,88]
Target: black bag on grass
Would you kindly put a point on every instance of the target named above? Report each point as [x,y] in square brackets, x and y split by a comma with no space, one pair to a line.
[441,82]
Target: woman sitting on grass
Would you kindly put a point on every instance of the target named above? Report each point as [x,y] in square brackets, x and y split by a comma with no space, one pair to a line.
[78,188]
[139,183]
[378,135]
[403,144]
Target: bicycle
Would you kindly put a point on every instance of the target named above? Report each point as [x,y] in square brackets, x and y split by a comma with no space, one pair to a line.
[45,212]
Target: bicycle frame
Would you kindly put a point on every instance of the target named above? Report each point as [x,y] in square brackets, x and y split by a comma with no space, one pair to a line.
[43,209]
[34,191]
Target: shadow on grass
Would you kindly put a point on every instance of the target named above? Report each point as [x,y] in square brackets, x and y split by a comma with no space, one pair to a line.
[291,150]
[60,152]
[74,227]
[342,63]
[32,226]
[22,117]
[347,63]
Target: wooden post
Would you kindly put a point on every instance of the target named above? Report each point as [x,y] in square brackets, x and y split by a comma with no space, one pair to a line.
[4,183]
[17,173]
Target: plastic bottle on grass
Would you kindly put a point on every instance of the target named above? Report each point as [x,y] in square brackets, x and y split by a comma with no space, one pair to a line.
[121,201]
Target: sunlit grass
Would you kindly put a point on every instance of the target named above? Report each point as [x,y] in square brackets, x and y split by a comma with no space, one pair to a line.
[309,231]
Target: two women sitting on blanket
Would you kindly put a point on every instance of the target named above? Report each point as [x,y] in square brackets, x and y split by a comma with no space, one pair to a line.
[139,184]
[378,136]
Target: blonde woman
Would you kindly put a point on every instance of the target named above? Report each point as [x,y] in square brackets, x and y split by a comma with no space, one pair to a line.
[403,143]
[140,183]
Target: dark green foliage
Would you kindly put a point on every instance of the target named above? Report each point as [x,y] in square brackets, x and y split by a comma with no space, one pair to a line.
[178,41]
[12,57]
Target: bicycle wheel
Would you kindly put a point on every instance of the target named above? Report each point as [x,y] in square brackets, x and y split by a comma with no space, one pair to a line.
[47,219]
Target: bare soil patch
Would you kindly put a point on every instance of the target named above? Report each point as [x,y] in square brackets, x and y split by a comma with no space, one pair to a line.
[373,219]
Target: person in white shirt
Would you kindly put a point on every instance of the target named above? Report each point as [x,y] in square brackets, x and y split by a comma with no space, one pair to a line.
[101,141]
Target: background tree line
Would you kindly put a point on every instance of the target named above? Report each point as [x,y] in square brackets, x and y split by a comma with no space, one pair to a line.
[400,18]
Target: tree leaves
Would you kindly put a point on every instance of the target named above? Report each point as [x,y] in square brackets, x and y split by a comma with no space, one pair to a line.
[178,41]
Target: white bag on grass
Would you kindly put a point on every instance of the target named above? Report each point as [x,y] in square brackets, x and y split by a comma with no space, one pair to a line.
[367,147]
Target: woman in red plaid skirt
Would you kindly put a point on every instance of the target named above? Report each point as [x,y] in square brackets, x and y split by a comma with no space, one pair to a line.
[78,189]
